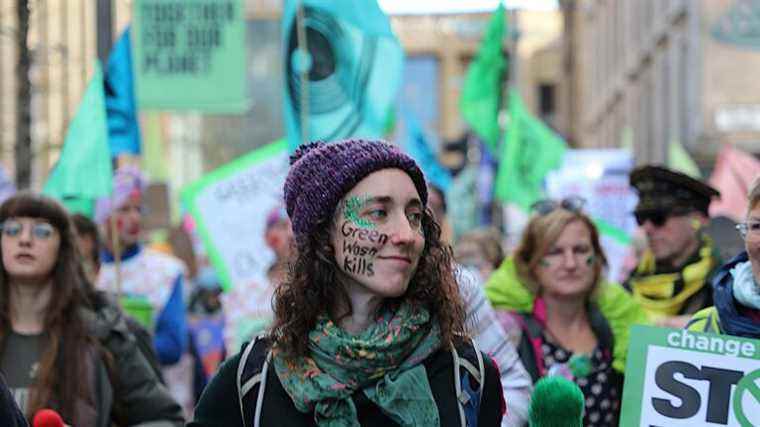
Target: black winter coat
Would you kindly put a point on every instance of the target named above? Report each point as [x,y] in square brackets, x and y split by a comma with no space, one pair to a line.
[219,405]
[128,391]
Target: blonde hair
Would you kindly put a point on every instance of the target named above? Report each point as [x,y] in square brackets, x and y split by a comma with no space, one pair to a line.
[538,237]
[753,195]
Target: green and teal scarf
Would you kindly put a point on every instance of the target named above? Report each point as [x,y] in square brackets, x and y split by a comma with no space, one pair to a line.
[384,362]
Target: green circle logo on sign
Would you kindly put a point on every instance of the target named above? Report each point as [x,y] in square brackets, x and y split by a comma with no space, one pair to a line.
[747,384]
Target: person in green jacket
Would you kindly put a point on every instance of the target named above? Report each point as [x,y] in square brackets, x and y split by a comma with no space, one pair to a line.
[574,323]
[736,290]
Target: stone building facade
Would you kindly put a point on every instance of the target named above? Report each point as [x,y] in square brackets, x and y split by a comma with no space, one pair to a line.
[645,73]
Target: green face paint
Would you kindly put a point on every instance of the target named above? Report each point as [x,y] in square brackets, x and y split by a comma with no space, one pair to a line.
[543,262]
[590,260]
[351,209]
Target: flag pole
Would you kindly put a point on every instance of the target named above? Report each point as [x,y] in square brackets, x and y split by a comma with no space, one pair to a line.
[116,249]
[303,71]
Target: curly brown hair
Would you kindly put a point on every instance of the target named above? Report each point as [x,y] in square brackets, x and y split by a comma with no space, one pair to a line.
[62,366]
[311,290]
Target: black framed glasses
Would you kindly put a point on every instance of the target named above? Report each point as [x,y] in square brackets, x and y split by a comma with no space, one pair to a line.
[573,204]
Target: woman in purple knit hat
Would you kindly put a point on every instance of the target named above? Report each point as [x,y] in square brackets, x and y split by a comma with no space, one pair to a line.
[368,326]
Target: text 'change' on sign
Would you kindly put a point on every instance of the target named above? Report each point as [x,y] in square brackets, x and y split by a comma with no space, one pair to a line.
[683,378]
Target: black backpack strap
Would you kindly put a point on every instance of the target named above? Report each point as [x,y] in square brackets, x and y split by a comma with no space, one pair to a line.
[531,331]
[252,371]
[468,366]
[601,328]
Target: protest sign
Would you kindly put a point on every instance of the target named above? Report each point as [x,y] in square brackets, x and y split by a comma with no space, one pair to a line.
[683,378]
[600,176]
[190,55]
[230,205]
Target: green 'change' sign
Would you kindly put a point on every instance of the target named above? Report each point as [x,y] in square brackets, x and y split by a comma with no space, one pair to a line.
[683,378]
[190,55]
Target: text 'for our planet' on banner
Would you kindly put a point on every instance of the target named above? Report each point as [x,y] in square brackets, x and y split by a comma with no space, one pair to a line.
[190,55]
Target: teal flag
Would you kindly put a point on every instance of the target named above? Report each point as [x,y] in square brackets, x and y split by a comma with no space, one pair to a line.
[419,149]
[739,25]
[83,172]
[481,97]
[352,67]
[530,151]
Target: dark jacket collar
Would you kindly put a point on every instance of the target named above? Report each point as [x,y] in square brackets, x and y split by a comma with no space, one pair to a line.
[107,256]
[731,320]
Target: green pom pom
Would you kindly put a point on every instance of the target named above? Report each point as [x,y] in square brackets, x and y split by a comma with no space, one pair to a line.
[580,365]
[556,402]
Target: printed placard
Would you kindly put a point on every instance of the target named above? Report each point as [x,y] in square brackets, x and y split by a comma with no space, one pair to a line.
[230,205]
[683,378]
[190,55]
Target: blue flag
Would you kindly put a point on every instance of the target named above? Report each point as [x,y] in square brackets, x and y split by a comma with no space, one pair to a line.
[418,148]
[123,127]
[486,176]
[353,68]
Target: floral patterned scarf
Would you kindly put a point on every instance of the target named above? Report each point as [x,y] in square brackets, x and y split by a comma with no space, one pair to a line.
[384,362]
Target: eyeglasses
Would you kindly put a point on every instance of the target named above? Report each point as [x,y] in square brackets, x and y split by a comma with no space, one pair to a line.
[657,218]
[573,204]
[40,230]
[749,228]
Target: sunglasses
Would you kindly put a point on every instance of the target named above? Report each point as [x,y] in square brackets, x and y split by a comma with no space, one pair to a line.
[40,230]
[573,204]
[657,218]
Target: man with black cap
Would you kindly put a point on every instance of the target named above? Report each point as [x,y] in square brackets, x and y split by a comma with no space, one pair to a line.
[672,279]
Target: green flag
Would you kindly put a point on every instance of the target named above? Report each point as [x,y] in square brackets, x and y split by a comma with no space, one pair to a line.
[83,172]
[481,94]
[530,151]
[680,160]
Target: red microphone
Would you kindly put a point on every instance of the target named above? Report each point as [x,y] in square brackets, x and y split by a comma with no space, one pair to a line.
[47,418]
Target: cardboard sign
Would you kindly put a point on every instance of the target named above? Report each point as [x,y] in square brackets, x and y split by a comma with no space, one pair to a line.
[190,55]
[230,205]
[681,378]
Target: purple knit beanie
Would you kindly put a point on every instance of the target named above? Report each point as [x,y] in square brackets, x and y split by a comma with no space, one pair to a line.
[322,173]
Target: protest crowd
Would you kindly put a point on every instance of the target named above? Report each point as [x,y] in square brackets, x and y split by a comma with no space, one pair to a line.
[328,278]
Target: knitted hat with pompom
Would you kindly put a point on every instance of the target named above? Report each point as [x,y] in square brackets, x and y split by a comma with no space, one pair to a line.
[322,173]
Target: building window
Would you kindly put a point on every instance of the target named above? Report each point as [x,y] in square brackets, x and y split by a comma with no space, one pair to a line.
[547,104]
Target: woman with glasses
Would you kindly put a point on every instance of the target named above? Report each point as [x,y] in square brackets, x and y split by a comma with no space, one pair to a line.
[574,323]
[368,324]
[736,292]
[56,350]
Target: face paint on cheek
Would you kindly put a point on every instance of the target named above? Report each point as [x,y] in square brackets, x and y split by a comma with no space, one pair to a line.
[351,209]
[544,262]
[590,260]
[119,225]
[358,265]
[358,256]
